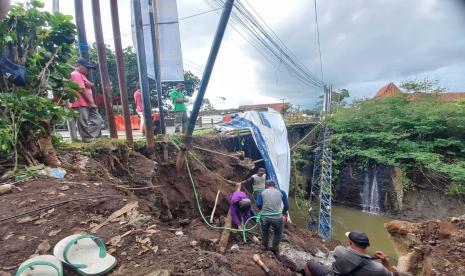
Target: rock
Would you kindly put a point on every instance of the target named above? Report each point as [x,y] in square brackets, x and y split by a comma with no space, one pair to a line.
[5,189]
[26,219]
[43,247]
[234,248]
[179,233]
[255,240]
[64,188]
[320,254]
[193,243]
[296,259]
[159,272]
[447,229]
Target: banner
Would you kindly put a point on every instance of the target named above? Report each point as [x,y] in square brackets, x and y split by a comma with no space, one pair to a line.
[171,65]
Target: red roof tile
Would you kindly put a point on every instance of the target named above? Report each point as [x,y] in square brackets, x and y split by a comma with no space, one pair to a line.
[388,90]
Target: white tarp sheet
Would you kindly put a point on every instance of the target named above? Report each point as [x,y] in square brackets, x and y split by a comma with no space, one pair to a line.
[270,134]
[171,67]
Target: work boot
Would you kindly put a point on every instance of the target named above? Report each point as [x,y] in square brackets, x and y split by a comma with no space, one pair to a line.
[265,243]
[275,247]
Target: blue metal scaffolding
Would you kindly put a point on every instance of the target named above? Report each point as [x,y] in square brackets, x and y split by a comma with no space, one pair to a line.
[322,175]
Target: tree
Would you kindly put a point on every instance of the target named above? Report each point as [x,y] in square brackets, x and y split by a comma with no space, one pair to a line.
[424,136]
[191,82]
[206,105]
[44,43]
[338,99]
[426,85]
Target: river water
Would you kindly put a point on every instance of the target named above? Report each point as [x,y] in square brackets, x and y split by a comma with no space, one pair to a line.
[346,219]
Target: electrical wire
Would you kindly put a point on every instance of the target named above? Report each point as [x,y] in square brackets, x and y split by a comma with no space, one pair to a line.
[266,42]
[318,39]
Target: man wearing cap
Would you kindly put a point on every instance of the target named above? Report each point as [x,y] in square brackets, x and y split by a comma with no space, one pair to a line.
[179,100]
[273,204]
[353,260]
[89,122]
[257,181]
[241,207]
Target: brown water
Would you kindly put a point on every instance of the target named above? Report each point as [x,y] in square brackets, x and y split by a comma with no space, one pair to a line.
[347,219]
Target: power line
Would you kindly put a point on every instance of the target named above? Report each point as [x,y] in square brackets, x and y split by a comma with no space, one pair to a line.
[318,39]
[268,43]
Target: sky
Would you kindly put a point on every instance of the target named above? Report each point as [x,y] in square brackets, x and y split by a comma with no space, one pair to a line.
[365,44]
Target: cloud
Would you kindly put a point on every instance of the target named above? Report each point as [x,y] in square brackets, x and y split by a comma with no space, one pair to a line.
[368,43]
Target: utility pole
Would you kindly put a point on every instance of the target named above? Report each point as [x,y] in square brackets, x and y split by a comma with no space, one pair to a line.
[156,59]
[103,68]
[56,5]
[143,79]
[156,63]
[228,5]
[123,90]
[83,50]
[81,30]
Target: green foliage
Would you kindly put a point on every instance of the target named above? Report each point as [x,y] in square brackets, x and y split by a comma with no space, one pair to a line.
[44,43]
[425,85]
[422,136]
[338,99]
[132,75]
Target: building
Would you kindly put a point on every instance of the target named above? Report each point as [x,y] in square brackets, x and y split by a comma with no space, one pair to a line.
[391,89]
[279,107]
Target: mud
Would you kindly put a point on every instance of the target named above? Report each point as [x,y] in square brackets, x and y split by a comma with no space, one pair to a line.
[147,240]
[434,247]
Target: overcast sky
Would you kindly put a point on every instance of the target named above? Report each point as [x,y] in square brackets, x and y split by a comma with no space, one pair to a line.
[365,44]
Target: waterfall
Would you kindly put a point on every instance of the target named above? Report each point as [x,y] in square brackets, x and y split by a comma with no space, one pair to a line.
[370,195]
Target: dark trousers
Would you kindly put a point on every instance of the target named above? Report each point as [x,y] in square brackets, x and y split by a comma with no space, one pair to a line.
[277,225]
[180,121]
[89,123]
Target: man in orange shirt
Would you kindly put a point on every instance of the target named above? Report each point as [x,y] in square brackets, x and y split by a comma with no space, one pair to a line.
[89,122]
[139,108]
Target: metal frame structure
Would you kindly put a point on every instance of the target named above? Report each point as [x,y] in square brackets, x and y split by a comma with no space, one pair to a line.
[322,173]
[325,229]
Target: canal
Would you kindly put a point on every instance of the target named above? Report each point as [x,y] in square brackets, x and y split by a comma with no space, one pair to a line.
[347,219]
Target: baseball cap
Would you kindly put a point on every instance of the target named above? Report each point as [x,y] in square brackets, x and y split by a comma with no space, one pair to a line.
[359,238]
[84,62]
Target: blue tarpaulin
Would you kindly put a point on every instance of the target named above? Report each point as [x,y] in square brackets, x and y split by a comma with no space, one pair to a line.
[270,135]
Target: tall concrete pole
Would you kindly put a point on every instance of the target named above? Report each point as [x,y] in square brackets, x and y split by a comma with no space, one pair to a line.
[56,5]
[156,59]
[228,5]
[103,68]
[143,78]
[83,52]
[123,90]
[81,30]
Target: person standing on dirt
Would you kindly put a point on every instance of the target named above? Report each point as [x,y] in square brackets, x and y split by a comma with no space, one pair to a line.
[179,100]
[257,181]
[353,260]
[240,207]
[89,122]
[273,205]
[139,108]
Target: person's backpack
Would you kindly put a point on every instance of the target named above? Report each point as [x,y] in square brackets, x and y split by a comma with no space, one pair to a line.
[15,73]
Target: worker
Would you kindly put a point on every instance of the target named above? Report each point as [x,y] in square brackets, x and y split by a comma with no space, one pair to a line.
[139,108]
[240,207]
[353,260]
[273,204]
[257,181]
[179,100]
[89,122]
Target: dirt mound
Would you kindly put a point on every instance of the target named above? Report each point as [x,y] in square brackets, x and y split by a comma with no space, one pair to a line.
[142,208]
[431,247]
